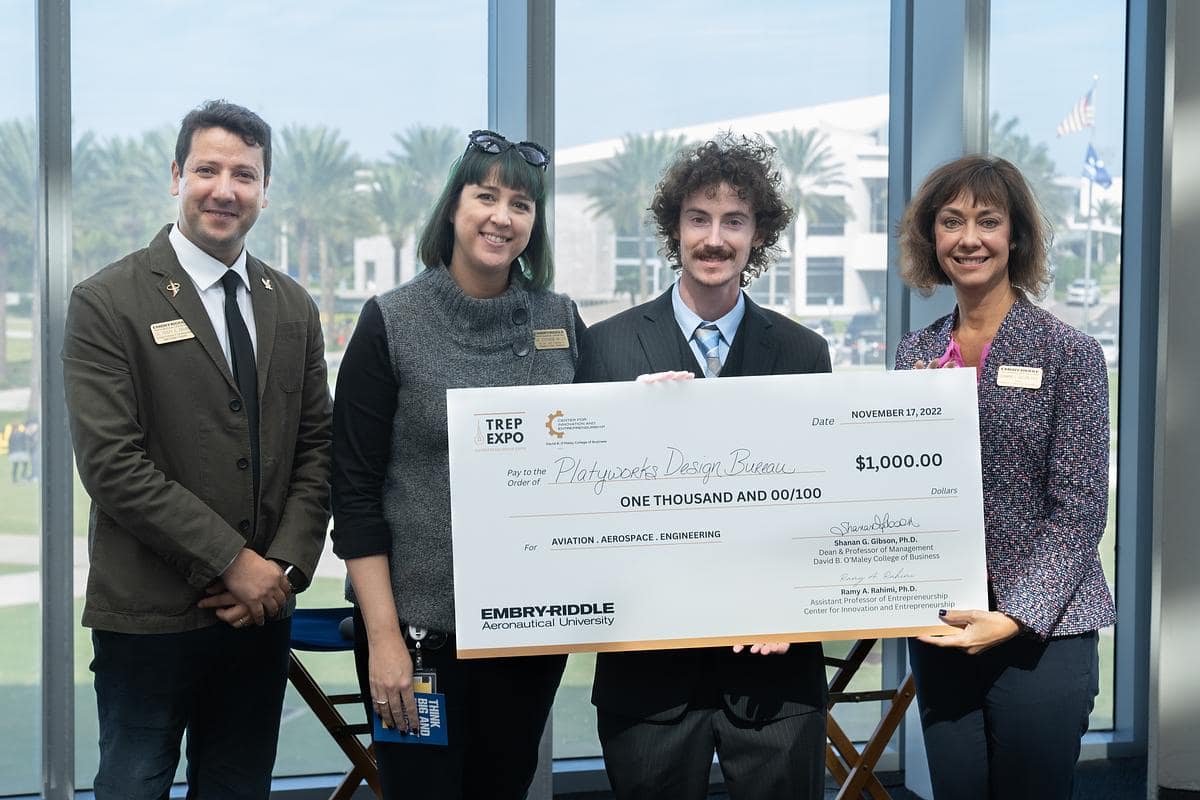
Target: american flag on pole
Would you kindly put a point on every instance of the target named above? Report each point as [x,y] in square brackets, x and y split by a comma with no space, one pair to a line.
[1083,115]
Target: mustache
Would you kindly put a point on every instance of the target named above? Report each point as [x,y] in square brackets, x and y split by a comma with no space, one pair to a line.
[711,252]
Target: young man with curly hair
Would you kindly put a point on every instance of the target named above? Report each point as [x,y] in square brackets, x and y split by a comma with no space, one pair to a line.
[662,714]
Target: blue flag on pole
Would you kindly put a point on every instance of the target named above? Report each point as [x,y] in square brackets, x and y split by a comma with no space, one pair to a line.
[1093,169]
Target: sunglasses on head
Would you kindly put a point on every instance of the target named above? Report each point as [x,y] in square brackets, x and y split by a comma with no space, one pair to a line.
[495,144]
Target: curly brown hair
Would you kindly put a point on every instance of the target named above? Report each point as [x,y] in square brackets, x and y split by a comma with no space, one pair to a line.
[747,166]
[988,180]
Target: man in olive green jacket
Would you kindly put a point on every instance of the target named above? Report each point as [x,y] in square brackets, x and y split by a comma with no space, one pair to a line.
[200,414]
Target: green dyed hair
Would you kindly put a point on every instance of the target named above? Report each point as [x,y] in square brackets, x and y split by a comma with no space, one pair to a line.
[511,170]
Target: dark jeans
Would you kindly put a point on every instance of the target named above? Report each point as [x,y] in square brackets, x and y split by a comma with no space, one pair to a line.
[1006,724]
[223,685]
[496,710]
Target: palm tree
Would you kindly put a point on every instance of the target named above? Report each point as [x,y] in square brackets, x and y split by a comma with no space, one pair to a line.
[18,157]
[121,194]
[314,182]
[428,151]
[623,186]
[404,191]
[395,205]
[89,234]
[810,170]
[1035,164]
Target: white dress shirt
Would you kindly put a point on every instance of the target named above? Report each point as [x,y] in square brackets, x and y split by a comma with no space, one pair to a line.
[688,321]
[206,273]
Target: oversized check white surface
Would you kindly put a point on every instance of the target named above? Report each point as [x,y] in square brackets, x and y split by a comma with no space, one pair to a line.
[625,516]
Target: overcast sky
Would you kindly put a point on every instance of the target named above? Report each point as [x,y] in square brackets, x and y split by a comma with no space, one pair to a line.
[373,69]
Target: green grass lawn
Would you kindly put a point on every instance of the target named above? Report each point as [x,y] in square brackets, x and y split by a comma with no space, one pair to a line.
[304,747]
[19,355]
[574,715]
[20,505]
[19,350]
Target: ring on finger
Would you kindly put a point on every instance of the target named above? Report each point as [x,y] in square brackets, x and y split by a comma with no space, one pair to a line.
[381,702]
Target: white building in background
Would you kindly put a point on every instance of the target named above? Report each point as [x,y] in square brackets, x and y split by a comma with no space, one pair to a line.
[839,273]
[374,265]
[373,259]
[841,269]
[842,265]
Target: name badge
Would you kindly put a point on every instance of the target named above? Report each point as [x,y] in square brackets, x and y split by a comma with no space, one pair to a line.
[175,330]
[1019,377]
[551,339]
[429,727]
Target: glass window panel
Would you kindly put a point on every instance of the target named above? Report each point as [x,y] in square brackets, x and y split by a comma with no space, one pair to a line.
[20,403]
[826,281]
[636,248]
[361,148]
[827,221]
[774,287]
[616,128]
[877,194]
[1045,113]
[781,283]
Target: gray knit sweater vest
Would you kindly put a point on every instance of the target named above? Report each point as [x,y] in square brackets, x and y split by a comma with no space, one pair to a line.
[439,339]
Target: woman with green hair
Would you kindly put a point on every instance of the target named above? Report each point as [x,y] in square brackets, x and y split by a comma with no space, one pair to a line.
[467,320]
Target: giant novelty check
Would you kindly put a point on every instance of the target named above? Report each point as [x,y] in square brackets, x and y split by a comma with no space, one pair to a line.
[625,516]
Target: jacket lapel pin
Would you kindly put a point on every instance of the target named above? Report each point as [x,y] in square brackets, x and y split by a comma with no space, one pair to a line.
[267,284]
[173,288]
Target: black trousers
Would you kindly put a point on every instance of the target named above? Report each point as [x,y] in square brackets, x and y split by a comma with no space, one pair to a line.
[224,685]
[782,758]
[1006,724]
[496,710]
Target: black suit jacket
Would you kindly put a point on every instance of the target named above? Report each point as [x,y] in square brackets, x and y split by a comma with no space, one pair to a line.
[658,685]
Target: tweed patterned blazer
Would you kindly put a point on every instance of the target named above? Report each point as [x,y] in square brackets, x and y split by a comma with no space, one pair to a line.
[1045,469]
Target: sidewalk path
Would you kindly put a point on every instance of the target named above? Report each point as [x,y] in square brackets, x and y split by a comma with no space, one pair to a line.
[25,587]
[14,399]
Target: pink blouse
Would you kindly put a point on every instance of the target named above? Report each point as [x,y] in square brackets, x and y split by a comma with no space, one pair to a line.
[953,357]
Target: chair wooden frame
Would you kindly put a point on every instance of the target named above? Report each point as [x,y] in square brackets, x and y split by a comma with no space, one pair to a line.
[362,759]
[855,771]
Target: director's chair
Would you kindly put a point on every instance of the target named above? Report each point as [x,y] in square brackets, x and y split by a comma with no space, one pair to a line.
[855,771]
[329,630]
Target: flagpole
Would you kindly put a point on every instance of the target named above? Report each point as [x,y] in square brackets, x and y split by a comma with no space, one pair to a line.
[1087,258]
[1087,247]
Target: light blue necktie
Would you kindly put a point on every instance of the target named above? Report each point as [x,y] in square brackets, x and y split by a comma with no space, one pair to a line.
[709,338]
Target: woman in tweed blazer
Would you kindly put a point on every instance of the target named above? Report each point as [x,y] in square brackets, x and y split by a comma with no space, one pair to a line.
[1005,697]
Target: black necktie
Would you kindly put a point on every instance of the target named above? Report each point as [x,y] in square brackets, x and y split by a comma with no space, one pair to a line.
[244,371]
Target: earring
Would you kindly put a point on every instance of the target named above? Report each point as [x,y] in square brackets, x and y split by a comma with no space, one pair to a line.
[526,272]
